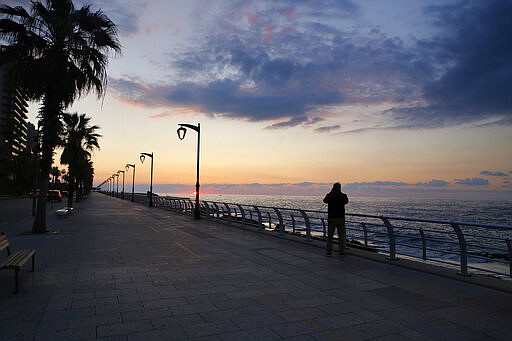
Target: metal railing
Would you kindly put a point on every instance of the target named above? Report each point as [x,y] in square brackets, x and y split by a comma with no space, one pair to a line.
[469,247]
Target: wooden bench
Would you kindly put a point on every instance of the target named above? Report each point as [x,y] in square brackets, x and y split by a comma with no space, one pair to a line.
[15,260]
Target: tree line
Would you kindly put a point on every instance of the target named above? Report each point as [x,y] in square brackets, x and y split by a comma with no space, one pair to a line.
[56,54]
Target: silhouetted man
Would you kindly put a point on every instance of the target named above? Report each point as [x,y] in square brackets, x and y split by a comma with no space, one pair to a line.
[336,201]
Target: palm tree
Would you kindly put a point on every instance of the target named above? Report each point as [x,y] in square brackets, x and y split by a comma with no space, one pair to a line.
[78,139]
[57,53]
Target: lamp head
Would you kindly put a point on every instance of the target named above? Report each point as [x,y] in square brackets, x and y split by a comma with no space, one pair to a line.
[142,158]
[182,131]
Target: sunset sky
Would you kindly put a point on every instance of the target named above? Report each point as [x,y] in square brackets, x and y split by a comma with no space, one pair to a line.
[391,98]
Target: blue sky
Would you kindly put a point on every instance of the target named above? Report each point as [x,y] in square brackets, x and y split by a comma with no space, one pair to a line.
[385,96]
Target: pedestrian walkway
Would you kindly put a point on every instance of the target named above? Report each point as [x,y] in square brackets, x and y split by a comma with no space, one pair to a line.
[122,271]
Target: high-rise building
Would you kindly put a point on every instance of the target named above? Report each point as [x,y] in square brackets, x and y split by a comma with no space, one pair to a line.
[13,117]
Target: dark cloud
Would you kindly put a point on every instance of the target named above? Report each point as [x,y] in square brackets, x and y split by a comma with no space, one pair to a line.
[473,58]
[279,61]
[490,173]
[328,129]
[433,183]
[472,182]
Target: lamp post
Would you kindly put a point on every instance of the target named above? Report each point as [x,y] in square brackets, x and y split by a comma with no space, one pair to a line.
[142,158]
[127,167]
[122,192]
[117,184]
[112,188]
[182,131]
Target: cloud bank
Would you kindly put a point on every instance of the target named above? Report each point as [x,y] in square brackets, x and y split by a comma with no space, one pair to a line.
[282,62]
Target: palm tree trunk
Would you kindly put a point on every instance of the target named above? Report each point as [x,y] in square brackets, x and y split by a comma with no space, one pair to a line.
[71,190]
[39,225]
[50,125]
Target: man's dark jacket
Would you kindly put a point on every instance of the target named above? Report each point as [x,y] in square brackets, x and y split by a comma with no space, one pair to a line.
[336,202]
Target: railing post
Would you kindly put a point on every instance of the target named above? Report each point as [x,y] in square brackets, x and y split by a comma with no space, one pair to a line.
[206,207]
[269,220]
[216,209]
[308,224]
[509,245]
[365,233]
[293,222]
[463,250]
[241,212]
[280,217]
[423,244]
[392,239]
[229,212]
[260,220]
[323,225]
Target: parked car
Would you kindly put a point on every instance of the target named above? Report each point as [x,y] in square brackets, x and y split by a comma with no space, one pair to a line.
[54,195]
[64,193]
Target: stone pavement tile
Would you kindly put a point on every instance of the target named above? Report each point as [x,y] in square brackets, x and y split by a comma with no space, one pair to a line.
[235,303]
[97,320]
[164,322]
[83,303]
[81,333]
[222,315]
[345,320]
[249,321]
[446,330]
[340,308]
[290,329]
[118,308]
[18,328]
[161,334]
[407,315]
[255,334]
[164,302]
[207,296]
[124,328]
[294,315]
[210,328]
[409,298]
[192,308]
[69,313]
[374,329]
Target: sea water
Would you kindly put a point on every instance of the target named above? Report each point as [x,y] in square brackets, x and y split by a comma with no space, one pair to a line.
[489,212]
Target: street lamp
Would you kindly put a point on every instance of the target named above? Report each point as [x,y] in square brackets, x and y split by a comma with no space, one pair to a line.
[117,185]
[182,131]
[122,193]
[127,167]
[142,158]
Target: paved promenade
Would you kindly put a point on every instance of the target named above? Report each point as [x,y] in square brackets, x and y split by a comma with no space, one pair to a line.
[122,271]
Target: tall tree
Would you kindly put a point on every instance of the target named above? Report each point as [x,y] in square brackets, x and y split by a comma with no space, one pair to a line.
[58,54]
[78,139]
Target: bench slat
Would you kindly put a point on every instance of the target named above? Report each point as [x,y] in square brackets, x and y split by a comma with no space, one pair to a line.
[4,242]
[16,260]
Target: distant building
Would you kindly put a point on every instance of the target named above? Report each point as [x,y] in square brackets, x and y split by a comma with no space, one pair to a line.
[13,118]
